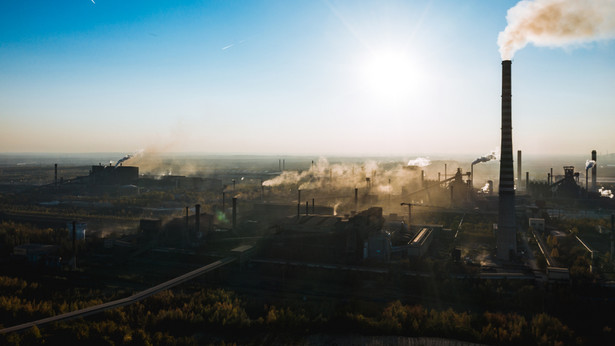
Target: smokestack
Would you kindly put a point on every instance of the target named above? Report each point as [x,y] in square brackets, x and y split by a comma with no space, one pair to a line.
[612,231]
[197,218]
[187,218]
[422,178]
[307,208]
[527,181]
[438,177]
[594,171]
[55,179]
[507,230]
[234,212]
[313,207]
[356,198]
[283,164]
[74,244]
[551,175]
[299,196]
[445,171]
[519,169]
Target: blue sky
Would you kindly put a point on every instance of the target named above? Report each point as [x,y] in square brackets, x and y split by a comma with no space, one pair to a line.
[290,77]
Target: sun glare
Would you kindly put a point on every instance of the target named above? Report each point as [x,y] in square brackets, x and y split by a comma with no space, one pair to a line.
[389,76]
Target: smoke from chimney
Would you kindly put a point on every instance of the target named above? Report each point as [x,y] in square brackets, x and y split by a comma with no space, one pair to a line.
[420,161]
[594,171]
[128,157]
[556,23]
[484,159]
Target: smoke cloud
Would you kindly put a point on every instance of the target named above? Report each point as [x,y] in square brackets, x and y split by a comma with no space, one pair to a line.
[556,23]
[326,176]
[128,157]
[420,161]
[484,159]
[605,193]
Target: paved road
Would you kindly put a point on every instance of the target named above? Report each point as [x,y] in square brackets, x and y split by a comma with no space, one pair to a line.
[124,301]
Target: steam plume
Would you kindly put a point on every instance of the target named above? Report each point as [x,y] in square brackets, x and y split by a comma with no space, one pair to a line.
[322,175]
[605,193]
[484,159]
[556,23]
[128,157]
[589,164]
[420,161]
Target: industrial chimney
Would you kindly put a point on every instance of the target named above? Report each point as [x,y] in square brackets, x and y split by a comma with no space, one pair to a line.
[594,171]
[507,230]
[197,218]
[234,212]
[519,175]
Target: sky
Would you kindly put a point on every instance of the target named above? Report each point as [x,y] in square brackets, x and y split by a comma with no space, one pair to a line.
[298,77]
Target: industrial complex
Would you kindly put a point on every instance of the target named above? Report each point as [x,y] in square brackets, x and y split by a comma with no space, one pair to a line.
[348,223]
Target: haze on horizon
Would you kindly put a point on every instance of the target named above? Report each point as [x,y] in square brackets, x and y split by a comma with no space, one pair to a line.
[305,77]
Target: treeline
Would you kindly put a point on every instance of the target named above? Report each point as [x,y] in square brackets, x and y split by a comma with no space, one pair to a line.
[218,316]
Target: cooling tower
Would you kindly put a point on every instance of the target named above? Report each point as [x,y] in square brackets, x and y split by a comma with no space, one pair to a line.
[506,240]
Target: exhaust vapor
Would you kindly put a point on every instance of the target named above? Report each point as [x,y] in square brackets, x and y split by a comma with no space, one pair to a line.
[420,161]
[556,23]
[128,157]
[605,193]
[323,175]
[484,159]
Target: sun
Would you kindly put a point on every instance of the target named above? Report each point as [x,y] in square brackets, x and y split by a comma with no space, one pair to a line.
[389,76]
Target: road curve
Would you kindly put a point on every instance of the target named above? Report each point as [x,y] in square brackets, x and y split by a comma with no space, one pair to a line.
[121,302]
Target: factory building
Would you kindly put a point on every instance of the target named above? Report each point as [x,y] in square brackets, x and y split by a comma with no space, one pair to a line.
[37,253]
[567,187]
[332,239]
[324,238]
[114,175]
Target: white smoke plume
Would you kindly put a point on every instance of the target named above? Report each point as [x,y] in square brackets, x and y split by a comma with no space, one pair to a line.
[556,23]
[486,158]
[420,161]
[325,176]
[128,157]
[589,164]
[605,193]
